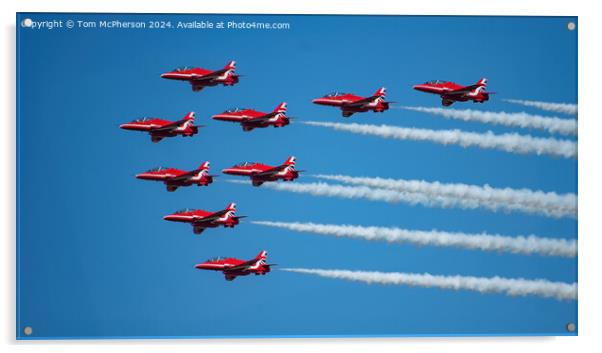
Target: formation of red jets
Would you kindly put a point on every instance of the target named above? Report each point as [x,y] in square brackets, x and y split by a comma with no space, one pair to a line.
[200,220]
[250,119]
[258,173]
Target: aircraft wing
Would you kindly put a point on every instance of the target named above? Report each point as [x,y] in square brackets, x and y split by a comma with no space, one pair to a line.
[271,171]
[184,176]
[361,102]
[210,218]
[260,118]
[243,266]
[168,127]
[463,90]
[210,76]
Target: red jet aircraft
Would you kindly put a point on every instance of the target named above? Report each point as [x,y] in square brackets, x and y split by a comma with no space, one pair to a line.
[159,128]
[260,173]
[452,92]
[174,178]
[250,119]
[200,78]
[201,220]
[350,103]
[233,268]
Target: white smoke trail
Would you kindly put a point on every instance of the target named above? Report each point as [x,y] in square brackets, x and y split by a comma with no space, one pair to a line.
[387,195]
[511,142]
[487,242]
[352,192]
[548,204]
[508,286]
[521,120]
[564,108]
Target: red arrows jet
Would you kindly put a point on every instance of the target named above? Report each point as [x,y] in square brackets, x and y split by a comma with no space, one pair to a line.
[233,268]
[250,119]
[200,78]
[452,92]
[260,173]
[159,128]
[350,103]
[174,178]
[201,220]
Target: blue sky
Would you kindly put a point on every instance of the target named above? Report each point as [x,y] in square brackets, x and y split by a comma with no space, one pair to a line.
[96,258]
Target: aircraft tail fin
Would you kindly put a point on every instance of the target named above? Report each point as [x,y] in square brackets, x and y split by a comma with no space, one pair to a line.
[204,166]
[290,161]
[262,255]
[189,116]
[231,207]
[482,82]
[380,92]
[280,108]
[231,65]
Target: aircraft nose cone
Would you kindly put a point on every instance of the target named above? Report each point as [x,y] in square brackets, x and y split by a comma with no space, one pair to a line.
[144,176]
[164,75]
[128,126]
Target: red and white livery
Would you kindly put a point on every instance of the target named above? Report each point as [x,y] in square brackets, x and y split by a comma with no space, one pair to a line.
[350,103]
[260,173]
[451,92]
[202,220]
[174,178]
[233,268]
[250,119]
[158,128]
[200,78]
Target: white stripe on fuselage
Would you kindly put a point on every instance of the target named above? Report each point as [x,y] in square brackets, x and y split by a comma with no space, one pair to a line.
[199,175]
[224,75]
[216,265]
[184,126]
[192,76]
[246,171]
[185,217]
